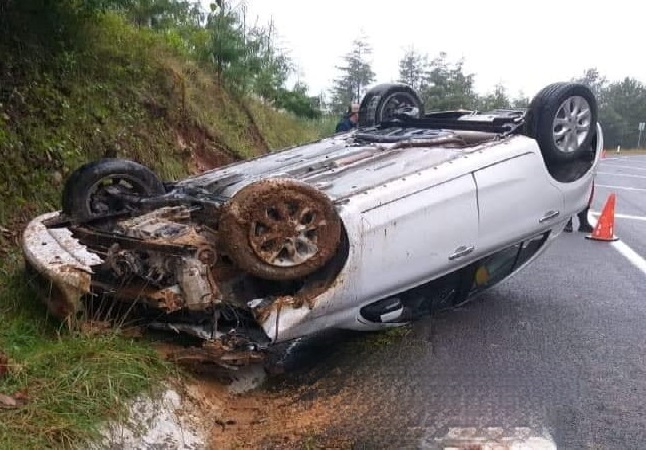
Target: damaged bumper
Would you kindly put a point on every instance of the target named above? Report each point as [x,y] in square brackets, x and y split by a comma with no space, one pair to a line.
[65,271]
[62,264]
[61,268]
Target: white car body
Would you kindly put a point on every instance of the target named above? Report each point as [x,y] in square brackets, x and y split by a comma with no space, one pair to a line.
[414,210]
[408,215]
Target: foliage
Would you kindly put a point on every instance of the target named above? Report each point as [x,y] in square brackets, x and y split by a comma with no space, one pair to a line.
[622,106]
[497,99]
[356,75]
[446,86]
[594,80]
[246,59]
[226,45]
[162,14]
[522,101]
[412,69]
[298,102]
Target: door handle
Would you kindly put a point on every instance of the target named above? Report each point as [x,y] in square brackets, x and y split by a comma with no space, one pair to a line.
[549,215]
[461,251]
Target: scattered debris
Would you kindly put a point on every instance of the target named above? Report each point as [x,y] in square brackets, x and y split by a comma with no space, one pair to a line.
[16,400]
[7,233]
[7,401]
[247,379]
[231,355]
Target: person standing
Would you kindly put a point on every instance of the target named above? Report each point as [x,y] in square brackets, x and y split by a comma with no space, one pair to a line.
[349,120]
[584,224]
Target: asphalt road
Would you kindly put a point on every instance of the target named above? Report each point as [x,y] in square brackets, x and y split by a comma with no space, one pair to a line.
[557,352]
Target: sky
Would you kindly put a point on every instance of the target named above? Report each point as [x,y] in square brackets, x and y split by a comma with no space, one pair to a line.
[524,45]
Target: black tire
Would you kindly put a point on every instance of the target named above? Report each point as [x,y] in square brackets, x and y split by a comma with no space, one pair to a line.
[261,225]
[374,108]
[547,106]
[79,199]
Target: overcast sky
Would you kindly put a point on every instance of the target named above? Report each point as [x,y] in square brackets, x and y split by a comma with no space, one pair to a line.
[522,44]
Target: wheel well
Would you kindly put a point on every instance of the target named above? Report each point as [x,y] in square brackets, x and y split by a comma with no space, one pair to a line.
[571,171]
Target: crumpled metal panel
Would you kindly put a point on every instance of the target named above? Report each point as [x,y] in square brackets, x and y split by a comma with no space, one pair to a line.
[60,258]
[339,165]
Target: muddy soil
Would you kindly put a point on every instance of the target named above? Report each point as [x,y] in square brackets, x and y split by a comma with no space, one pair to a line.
[301,399]
[265,419]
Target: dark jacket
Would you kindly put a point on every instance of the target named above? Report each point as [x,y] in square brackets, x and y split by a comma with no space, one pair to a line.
[345,125]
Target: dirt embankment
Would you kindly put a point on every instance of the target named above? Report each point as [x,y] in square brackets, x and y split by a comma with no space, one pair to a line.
[204,151]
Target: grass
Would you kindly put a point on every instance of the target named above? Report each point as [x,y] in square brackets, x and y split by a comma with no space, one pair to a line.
[72,381]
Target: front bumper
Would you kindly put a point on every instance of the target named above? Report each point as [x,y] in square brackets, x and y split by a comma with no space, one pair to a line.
[61,262]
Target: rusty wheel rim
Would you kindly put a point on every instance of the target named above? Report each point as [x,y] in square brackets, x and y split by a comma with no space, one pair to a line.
[287,233]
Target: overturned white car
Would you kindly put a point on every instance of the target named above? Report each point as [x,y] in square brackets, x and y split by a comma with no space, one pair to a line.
[365,229]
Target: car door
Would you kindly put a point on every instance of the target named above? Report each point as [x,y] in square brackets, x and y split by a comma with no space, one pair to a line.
[418,237]
[516,199]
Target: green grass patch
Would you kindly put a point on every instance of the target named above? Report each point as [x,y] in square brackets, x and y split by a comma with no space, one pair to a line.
[72,382]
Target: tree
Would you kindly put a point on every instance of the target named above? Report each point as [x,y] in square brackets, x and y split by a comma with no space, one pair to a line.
[594,80]
[298,102]
[267,67]
[623,106]
[227,41]
[356,75]
[522,101]
[447,87]
[497,99]
[157,14]
[412,68]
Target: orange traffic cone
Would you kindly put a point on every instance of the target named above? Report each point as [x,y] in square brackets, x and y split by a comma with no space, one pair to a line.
[604,229]
[603,154]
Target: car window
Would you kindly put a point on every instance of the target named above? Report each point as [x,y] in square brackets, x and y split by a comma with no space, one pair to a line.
[498,266]
[530,247]
[494,268]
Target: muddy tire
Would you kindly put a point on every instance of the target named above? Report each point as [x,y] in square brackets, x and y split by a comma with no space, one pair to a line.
[385,102]
[280,229]
[562,118]
[86,193]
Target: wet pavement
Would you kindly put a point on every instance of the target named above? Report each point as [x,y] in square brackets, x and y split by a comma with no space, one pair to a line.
[558,351]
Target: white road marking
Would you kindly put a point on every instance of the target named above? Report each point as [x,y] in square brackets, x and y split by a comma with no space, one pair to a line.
[631,255]
[623,160]
[491,438]
[621,216]
[625,167]
[621,175]
[623,188]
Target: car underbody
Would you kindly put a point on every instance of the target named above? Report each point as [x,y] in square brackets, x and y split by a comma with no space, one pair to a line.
[240,256]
